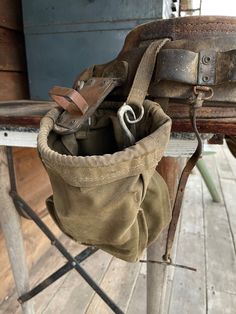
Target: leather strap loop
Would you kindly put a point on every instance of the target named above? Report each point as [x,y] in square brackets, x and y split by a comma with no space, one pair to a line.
[80,106]
[69,99]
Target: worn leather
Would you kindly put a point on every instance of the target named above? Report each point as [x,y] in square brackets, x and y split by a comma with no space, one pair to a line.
[177,73]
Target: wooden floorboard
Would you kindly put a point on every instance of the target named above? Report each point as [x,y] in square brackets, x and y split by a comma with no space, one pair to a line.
[206,240]
[119,281]
[36,245]
[188,287]
[221,263]
[138,300]
[75,294]
[228,186]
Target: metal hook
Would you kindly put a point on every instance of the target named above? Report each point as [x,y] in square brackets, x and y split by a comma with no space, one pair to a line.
[137,119]
[123,111]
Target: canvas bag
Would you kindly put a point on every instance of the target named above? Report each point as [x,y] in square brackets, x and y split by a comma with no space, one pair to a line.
[111,198]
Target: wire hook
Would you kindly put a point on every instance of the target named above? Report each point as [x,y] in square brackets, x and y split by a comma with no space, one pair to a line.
[123,112]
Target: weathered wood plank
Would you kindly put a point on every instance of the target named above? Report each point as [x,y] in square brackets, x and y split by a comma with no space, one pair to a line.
[12,51]
[44,266]
[138,299]
[75,294]
[170,169]
[170,271]
[188,289]
[10,14]
[36,244]
[119,282]
[224,126]
[33,186]
[13,85]
[227,175]
[192,209]
[231,160]
[213,111]
[221,262]
[223,166]
[23,113]
[156,276]
[221,302]
[138,302]
[10,223]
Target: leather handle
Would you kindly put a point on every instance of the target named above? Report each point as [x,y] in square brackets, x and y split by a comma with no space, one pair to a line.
[69,99]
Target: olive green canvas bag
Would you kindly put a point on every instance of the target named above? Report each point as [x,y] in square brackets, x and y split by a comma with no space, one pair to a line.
[106,193]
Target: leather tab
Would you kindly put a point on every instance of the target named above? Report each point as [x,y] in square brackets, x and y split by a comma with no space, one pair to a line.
[93,93]
[69,99]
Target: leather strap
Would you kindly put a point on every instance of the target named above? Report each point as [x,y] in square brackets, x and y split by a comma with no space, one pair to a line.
[79,106]
[202,93]
[69,99]
[196,68]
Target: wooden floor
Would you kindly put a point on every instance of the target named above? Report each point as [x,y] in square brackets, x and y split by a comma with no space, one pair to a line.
[206,241]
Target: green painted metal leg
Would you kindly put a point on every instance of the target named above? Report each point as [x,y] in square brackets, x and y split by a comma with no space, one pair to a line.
[208,180]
